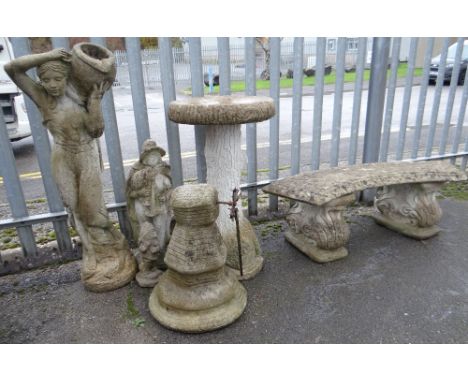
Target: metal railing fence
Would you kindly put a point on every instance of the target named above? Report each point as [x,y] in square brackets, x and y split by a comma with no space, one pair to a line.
[151,62]
[391,113]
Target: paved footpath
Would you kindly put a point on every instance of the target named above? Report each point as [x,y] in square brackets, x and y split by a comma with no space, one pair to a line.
[390,289]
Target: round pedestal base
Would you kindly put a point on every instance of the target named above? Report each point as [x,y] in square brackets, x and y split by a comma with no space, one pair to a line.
[199,321]
[109,275]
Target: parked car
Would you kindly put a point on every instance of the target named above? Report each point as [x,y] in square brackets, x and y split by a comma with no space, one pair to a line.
[434,69]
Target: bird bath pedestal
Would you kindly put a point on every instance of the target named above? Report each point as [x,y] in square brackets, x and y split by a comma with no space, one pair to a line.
[222,117]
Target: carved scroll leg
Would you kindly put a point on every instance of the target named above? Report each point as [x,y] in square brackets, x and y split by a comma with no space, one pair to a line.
[410,209]
[320,232]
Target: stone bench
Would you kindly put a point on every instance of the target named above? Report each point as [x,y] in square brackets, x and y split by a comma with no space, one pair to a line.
[405,202]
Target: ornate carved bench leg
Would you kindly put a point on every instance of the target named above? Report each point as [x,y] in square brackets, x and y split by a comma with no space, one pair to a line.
[320,232]
[410,209]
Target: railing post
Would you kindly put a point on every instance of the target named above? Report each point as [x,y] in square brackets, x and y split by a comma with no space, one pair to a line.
[198,90]
[169,94]
[376,99]
[251,128]
[43,153]
[114,152]
[375,103]
[137,85]
[14,190]
[275,60]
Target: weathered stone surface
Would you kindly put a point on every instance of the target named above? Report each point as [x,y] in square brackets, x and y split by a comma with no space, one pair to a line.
[410,209]
[221,110]
[222,116]
[407,202]
[68,96]
[91,64]
[320,231]
[148,191]
[310,249]
[320,187]
[197,293]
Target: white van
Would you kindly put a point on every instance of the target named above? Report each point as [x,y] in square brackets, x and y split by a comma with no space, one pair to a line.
[11,100]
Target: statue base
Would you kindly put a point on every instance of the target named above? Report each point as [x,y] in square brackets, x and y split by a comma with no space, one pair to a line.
[320,255]
[110,274]
[420,233]
[202,315]
[148,279]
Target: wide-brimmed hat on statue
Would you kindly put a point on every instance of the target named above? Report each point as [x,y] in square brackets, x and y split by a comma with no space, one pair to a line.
[149,146]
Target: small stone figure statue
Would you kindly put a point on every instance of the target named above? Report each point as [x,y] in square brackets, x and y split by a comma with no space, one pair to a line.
[149,187]
[75,120]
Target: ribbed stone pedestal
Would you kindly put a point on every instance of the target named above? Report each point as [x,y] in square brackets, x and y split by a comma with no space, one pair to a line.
[222,117]
[197,293]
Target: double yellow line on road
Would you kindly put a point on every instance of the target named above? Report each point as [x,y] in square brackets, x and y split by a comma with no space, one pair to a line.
[126,163]
[129,162]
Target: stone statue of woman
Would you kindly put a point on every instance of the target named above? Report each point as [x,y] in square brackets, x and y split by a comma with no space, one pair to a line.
[75,121]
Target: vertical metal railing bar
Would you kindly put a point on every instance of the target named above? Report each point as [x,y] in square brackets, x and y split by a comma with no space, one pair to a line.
[360,66]
[169,95]
[251,128]
[114,152]
[61,42]
[390,100]
[14,190]
[407,98]
[43,154]
[422,98]
[376,99]
[465,158]
[224,59]
[338,101]
[437,97]
[460,120]
[137,84]
[275,52]
[196,71]
[451,96]
[298,75]
[318,101]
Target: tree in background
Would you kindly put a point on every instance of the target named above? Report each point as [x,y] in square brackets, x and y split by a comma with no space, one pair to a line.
[44,44]
[264,43]
[152,42]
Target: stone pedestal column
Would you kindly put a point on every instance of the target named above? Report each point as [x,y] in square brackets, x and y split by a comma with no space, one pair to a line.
[197,293]
[410,209]
[222,116]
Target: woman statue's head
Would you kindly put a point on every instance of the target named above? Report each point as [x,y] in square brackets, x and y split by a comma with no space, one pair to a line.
[53,76]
